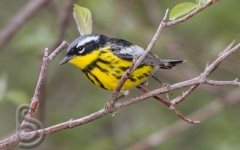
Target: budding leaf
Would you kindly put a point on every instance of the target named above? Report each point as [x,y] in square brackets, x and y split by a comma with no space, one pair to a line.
[83,19]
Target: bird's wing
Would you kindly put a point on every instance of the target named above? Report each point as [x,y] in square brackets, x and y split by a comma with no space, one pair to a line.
[126,51]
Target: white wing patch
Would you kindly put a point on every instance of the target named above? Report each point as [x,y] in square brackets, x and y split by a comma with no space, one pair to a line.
[87,39]
[132,50]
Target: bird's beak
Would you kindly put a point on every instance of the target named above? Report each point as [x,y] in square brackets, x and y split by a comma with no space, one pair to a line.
[65,60]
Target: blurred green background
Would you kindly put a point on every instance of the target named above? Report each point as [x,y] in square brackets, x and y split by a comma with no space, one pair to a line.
[68,95]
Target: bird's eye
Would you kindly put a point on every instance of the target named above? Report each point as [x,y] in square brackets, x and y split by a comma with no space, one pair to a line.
[80,49]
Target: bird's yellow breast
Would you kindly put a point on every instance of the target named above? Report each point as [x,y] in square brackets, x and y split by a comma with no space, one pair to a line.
[105,69]
[83,61]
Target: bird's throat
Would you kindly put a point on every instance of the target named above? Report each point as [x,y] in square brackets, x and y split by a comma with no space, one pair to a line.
[83,61]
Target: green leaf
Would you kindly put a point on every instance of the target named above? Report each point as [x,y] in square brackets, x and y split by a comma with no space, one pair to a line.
[3,86]
[83,19]
[182,9]
[18,97]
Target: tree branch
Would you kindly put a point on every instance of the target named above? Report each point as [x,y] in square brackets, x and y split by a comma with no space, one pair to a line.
[222,83]
[101,113]
[34,102]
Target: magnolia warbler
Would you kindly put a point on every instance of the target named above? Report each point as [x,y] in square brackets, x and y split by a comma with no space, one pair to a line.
[103,61]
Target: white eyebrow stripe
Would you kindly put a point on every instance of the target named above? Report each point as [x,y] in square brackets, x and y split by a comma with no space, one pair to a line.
[86,40]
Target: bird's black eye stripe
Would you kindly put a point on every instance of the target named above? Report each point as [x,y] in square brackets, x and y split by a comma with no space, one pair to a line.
[73,51]
[85,48]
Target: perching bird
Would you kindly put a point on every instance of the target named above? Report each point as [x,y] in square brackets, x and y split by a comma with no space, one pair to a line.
[104,60]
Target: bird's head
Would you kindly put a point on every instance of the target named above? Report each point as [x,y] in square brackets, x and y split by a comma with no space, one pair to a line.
[83,45]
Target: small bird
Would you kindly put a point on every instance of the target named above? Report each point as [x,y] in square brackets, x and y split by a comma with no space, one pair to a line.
[104,60]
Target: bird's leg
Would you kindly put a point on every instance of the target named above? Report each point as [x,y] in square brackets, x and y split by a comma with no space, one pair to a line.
[124,93]
[167,85]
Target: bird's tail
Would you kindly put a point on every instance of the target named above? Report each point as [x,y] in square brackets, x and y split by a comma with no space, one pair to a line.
[170,64]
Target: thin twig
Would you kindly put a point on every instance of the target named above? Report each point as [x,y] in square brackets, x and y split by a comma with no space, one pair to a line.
[184,95]
[226,53]
[170,105]
[182,116]
[166,102]
[227,48]
[35,100]
[153,41]
[222,83]
[57,50]
[215,64]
